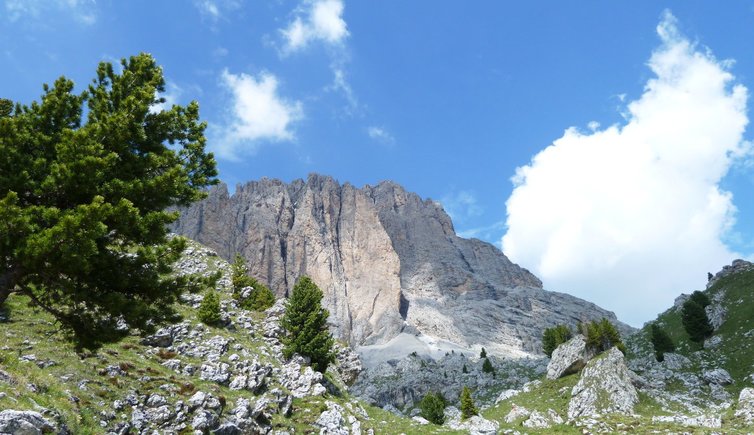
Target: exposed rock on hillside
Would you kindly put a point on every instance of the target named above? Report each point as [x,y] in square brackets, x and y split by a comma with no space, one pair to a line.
[604,387]
[569,357]
[386,260]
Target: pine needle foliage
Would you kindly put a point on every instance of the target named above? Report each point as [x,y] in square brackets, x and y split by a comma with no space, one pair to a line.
[468,409]
[260,298]
[305,324]
[554,337]
[85,182]
[209,309]
[601,335]
[432,407]
[694,317]
[661,342]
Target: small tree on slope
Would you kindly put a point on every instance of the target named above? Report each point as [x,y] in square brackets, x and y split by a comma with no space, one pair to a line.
[661,342]
[305,323]
[694,317]
[468,409]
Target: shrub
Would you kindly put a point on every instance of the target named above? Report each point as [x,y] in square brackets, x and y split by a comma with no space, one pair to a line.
[661,342]
[432,408]
[468,409]
[209,310]
[554,337]
[305,323]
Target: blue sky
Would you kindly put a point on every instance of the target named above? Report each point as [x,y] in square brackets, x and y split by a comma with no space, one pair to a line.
[449,99]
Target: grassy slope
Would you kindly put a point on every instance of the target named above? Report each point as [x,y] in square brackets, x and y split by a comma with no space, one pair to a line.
[30,331]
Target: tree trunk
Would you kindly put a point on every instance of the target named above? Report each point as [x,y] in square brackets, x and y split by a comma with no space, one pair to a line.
[8,280]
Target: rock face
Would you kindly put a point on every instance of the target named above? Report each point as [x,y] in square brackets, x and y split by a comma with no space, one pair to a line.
[569,357]
[605,387]
[24,423]
[386,260]
[746,405]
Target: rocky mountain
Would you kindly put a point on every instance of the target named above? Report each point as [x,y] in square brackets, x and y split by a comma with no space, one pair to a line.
[388,261]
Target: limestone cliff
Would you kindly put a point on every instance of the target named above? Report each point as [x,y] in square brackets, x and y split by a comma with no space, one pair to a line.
[386,260]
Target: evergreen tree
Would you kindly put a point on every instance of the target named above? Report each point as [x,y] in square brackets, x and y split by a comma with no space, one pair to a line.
[260,298]
[487,367]
[694,317]
[554,337]
[432,408]
[305,324]
[464,369]
[602,335]
[468,409]
[6,107]
[83,199]
[661,342]
[209,309]
[483,353]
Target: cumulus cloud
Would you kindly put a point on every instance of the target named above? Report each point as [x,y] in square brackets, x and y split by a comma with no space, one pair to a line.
[82,10]
[316,20]
[257,113]
[631,215]
[381,135]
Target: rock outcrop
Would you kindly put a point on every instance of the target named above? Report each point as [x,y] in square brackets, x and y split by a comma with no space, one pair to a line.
[604,387]
[569,357]
[386,260]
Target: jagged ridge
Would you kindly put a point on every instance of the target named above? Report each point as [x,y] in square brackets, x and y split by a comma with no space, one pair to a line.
[386,260]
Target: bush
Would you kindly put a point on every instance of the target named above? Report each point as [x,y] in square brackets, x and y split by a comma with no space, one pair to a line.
[661,342]
[433,408]
[305,323]
[602,335]
[554,337]
[468,409]
[694,317]
[209,310]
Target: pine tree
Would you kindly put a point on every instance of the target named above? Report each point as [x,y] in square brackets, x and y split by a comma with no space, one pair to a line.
[661,342]
[86,184]
[468,409]
[487,366]
[483,353]
[464,369]
[432,408]
[602,335]
[694,317]
[305,323]
[209,309]
[260,298]
[554,337]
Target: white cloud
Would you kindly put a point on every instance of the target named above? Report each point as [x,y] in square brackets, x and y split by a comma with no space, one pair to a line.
[316,20]
[461,206]
[82,10]
[257,113]
[214,10]
[380,134]
[632,215]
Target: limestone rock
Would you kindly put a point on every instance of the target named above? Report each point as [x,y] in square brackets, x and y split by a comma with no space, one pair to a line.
[421,277]
[604,387]
[717,376]
[475,425]
[745,409]
[24,423]
[570,357]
